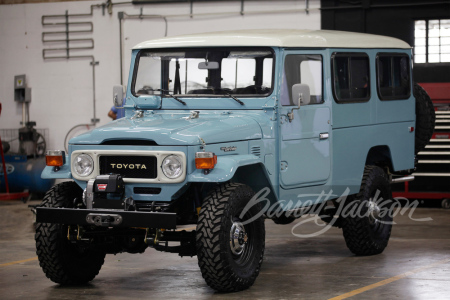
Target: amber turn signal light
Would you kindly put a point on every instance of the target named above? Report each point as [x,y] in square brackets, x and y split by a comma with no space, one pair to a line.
[205,160]
[55,158]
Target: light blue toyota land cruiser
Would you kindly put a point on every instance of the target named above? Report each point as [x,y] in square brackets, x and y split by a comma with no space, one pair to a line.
[224,130]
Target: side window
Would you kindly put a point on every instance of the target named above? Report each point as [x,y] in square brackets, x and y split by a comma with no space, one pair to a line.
[146,80]
[393,76]
[351,77]
[306,69]
[267,72]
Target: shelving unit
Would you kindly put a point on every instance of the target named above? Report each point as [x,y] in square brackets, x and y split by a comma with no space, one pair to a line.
[432,175]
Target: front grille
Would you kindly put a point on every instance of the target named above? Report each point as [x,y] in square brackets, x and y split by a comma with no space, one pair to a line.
[129,166]
[147,190]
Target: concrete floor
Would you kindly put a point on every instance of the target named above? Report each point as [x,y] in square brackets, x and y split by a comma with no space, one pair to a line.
[294,268]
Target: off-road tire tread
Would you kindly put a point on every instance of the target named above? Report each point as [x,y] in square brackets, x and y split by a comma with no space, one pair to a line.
[215,270]
[425,118]
[52,259]
[355,229]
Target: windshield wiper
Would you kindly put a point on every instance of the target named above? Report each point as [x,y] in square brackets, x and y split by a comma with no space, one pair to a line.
[233,97]
[179,100]
[170,95]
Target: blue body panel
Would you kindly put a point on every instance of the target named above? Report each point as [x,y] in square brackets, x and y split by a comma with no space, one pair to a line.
[225,169]
[297,163]
[354,129]
[357,127]
[351,145]
[171,129]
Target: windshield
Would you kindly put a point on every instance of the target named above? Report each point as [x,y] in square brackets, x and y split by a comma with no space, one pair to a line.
[201,72]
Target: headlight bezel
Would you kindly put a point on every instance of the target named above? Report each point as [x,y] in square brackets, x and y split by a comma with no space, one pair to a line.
[75,162]
[165,172]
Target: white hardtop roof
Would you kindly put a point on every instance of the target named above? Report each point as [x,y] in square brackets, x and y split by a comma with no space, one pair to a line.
[277,38]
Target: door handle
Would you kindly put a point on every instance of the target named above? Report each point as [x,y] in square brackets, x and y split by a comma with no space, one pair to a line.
[323,136]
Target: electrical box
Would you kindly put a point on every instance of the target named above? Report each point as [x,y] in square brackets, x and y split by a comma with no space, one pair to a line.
[22,93]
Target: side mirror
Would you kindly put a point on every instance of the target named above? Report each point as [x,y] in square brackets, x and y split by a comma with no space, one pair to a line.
[211,65]
[300,94]
[118,96]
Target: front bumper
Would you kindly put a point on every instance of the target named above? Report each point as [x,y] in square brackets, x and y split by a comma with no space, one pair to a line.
[106,217]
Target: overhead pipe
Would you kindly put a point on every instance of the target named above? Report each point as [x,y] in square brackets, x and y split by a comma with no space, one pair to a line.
[138,2]
[384,5]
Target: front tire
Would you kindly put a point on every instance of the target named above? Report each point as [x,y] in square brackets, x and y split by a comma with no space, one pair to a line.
[368,218]
[63,261]
[230,252]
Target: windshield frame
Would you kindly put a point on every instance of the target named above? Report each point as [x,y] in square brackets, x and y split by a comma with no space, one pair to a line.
[219,94]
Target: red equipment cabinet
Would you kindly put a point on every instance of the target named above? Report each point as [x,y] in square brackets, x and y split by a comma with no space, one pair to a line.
[432,175]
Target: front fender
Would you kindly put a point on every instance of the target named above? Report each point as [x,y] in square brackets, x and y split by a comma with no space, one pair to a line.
[63,172]
[225,169]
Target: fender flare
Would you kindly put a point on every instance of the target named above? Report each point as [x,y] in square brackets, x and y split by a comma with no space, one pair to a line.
[247,169]
[225,169]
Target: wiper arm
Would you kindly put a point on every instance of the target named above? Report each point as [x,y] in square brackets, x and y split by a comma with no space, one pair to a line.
[233,97]
[170,95]
[179,100]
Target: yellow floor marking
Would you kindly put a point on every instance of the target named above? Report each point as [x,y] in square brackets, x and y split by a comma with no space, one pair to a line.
[18,262]
[389,280]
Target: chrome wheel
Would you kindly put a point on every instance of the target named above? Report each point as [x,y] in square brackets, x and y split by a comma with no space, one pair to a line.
[238,238]
[373,212]
[230,249]
[368,229]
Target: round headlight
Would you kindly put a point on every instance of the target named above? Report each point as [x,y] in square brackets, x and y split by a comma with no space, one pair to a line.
[83,165]
[172,166]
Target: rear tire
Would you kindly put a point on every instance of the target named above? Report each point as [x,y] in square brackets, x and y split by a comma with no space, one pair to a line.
[63,261]
[367,228]
[425,118]
[230,253]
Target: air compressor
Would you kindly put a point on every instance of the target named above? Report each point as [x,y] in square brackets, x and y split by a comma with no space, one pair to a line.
[24,166]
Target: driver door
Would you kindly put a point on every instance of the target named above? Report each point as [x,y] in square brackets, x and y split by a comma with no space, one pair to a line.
[305,139]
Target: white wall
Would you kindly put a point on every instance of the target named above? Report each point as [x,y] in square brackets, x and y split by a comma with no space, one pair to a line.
[62,89]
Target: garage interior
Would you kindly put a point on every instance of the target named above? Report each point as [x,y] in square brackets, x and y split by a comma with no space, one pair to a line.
[59,62]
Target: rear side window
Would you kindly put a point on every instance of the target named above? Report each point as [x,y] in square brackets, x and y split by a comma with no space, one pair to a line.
[351,77]
[393,76]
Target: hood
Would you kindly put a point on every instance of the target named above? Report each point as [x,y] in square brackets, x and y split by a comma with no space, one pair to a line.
[175,129]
